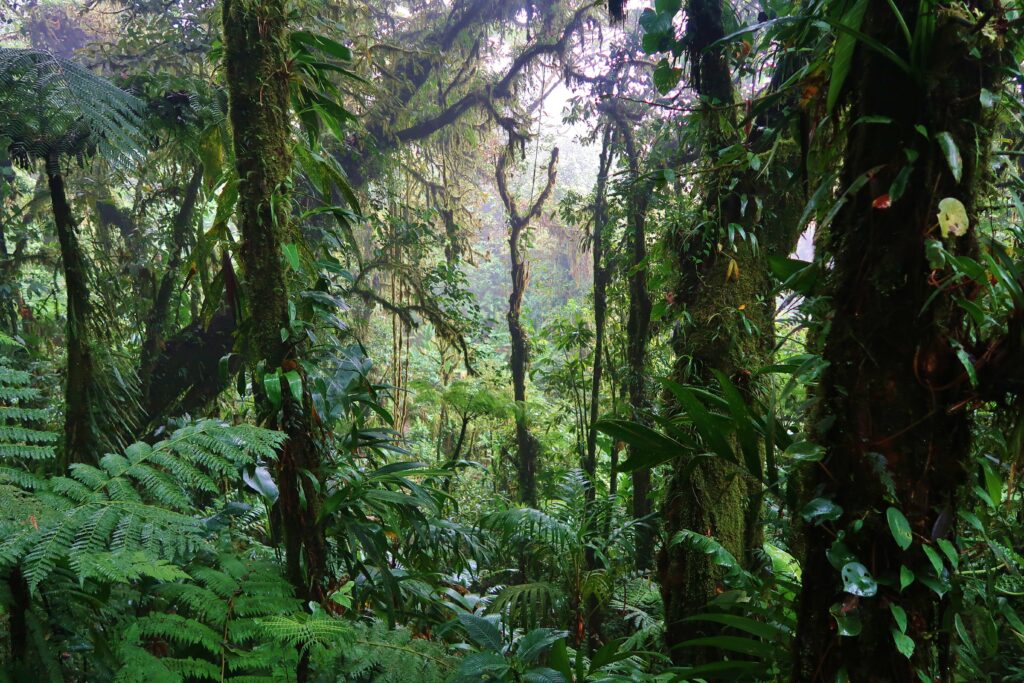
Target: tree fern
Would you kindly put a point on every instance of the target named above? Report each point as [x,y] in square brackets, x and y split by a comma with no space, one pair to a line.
[145,499]
[224,623]
[53,105]
[382,655]
[23,437]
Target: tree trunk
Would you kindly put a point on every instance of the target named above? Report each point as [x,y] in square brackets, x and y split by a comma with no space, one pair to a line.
[527,445]
[79,433]
[891,397]
[594,613]
[728,298]
[256,57]
[638,334]
[600,304]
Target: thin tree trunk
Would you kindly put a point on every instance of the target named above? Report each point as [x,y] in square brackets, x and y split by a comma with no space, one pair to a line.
[600,303]
[21,603]
[893,382]
[256,57]
[8,300]
[79,433]
[527,446]
[638,334]
[594,613]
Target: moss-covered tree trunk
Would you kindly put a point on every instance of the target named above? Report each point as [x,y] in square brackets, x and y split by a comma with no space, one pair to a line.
[895,431]
[601,276]
[726,290]
[712,500]
[79,434]
[256,57]
[527,446]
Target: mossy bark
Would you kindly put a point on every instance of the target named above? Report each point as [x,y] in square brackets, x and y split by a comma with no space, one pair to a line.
[527,445]
[256,57]
[726,290]
[891,399]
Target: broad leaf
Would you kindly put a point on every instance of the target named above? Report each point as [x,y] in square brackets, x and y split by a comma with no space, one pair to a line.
[483,631]
[900,528]
[857,580]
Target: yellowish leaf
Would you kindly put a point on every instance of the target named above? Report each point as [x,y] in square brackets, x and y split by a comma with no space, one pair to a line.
[953,217]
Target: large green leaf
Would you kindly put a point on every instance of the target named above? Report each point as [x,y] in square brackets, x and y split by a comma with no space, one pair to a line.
[705,424]
[483,631]
[952,154]
[477,666]
[821,510]
[846,43]
[530,647]
[744,423]
[857,580]
[653,447]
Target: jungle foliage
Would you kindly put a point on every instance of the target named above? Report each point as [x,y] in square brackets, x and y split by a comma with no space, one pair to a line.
[548,341]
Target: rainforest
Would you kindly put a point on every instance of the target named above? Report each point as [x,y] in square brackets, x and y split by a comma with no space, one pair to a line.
[540,341]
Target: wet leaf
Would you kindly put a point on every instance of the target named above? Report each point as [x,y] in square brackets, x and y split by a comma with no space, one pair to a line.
[261,481]
[291,254]
[848,621]
[899,615]
[846,42]
[906,577]
[857,580]
[934,558]
[294,385]
[952,153]
[804,451]
[950,551]
[904,643]
[821,510]
[272,385]
[900,528]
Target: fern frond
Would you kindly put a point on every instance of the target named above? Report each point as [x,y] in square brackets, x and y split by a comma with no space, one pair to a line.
[222,608]
[49,104]
[20,441]
[132,502]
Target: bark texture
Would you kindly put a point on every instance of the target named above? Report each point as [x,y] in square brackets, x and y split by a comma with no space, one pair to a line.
[256,57]
[891,399]
[727,297]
